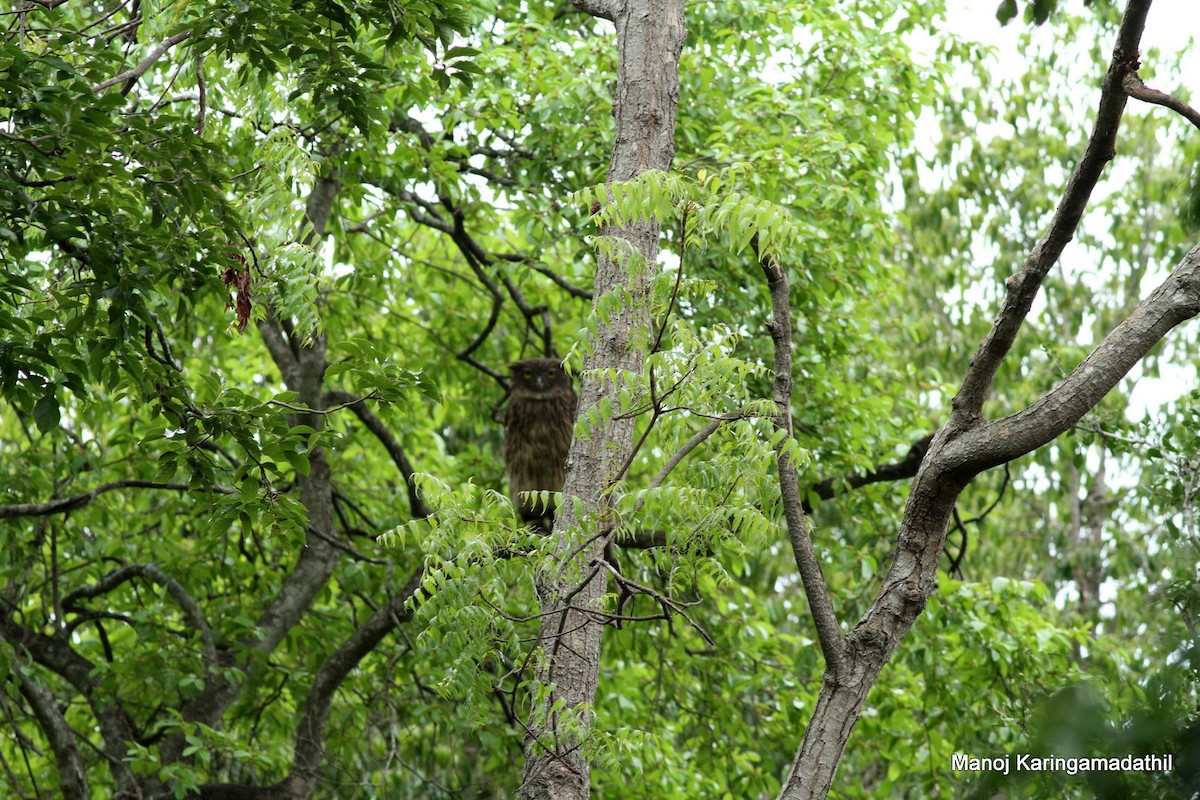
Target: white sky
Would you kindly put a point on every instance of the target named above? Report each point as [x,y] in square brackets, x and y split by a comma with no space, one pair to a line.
[1170,26]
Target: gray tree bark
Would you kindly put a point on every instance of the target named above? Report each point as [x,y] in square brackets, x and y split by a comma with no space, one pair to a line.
[650,35]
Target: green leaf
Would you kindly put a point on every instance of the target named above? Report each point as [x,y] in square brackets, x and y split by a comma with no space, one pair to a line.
[1006,11]
[46,414]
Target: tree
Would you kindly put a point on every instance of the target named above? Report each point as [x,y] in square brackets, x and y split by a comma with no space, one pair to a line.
[276,560]
[969,444]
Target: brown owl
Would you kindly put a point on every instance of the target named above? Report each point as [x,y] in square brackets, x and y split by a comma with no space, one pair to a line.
[537,435]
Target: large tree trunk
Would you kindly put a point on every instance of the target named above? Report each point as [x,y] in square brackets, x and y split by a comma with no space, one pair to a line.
[650,35]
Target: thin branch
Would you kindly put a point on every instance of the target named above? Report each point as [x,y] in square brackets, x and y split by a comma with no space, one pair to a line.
[896,471]
[349,400]
[955,567]
[390,443]
[166,358]
[561,282]
[152,573]
[668,605]
[691,444]
[64,504]
[202,98]
[833,641]
[1134,87]
[130,76]
[116,9]
[478,258]
[982,515]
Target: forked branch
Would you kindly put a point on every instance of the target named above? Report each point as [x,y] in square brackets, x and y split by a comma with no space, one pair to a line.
[1024,285]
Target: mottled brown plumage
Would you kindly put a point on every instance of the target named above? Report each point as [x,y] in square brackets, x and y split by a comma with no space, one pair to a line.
[537,435]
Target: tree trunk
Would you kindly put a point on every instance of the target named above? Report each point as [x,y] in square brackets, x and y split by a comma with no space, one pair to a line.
[849,677]
[650,35]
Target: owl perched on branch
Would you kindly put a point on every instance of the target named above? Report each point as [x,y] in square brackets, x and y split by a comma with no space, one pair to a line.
[537,435]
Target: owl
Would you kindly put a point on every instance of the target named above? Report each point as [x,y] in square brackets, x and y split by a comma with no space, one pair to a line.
[537,435]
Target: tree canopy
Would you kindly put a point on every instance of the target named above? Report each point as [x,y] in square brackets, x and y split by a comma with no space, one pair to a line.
[863,322]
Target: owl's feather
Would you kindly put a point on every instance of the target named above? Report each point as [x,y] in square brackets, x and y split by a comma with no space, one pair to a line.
[537,435]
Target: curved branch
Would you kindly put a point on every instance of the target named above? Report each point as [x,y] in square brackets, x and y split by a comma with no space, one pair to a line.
[558,280]
[1136,89]
[381,432]
[833,641]
[152,573]
[307,755]
[478,258]
[896,471]
[65,504]
[955,566]
[129,77]
[691,444]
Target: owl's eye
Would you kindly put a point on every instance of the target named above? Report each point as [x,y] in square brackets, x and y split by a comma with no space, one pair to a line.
[527,375]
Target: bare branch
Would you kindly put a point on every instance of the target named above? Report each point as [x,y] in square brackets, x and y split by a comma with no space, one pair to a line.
[833,641]
[896,471]
[561,282]
[682,453]
[129,77]
[389,442]
[152,573]
[64,504]
[1135,88]
[202,95]
[998,441]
